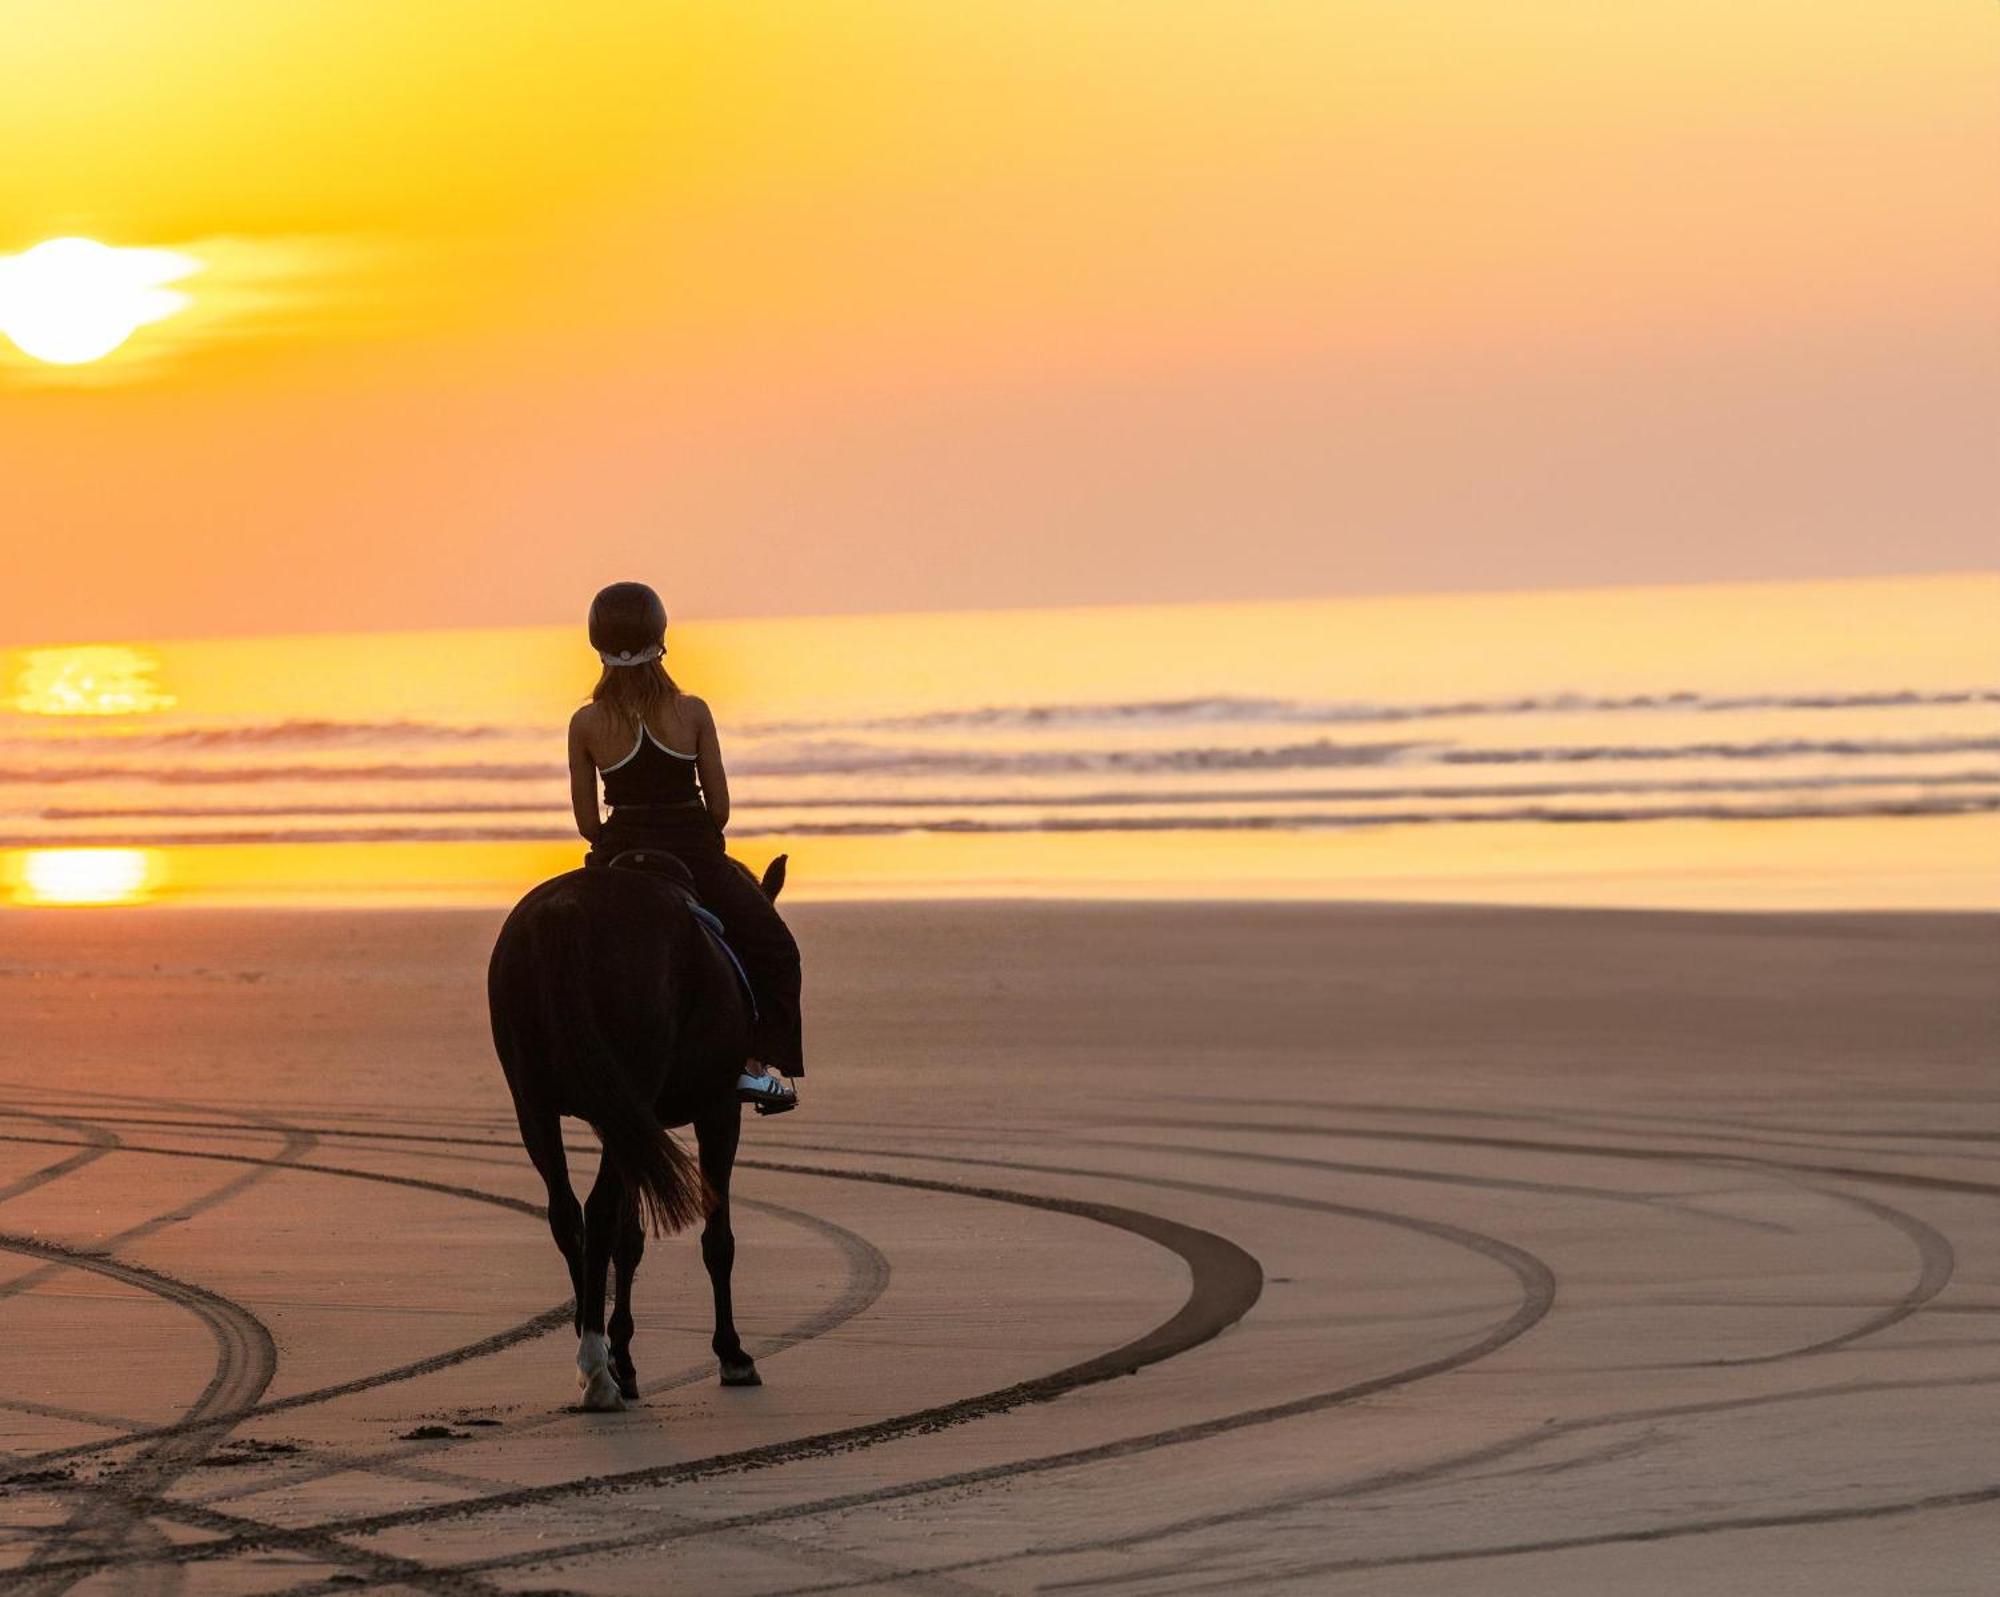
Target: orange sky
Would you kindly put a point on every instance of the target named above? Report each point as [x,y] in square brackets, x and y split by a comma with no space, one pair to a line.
[858,306]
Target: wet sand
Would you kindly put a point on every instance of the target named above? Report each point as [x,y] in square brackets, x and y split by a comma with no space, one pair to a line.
[1122,1248]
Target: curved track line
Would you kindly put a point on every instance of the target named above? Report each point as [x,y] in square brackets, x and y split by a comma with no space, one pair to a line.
[1936,1258]
[1927,1281]
[868,1273]
[1421,1473]
[1911,1506]
[1608,1150]
[73,1416]
[1416,1474]
[295,1144]
[539,1325]
[1609,1123]
[1449,1178]
[1935,1262]
[216,1156]
[867,1278]
[262,1167]
[1745,1128]
[120,1503]
[246,1363]
[1605,1150]
[114,1512]
[382,1568]
[1935,1268]
[246,1359]
[1226,1281]
[1537,1298]
[100,1142]
[1970,1498]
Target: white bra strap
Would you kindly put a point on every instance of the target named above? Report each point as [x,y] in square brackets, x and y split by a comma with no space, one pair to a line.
[647,731]
[637,742]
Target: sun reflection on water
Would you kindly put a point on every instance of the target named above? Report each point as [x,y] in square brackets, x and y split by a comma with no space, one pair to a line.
[83,875]
[90,679]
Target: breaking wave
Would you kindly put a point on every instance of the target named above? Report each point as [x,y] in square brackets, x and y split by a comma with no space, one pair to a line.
[1219,763]
[1943,804]
[1197,797]
[1217,710]
[1252,710]
[859,759]
[271,735]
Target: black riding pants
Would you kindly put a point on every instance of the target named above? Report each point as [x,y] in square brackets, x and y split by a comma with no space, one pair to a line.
[750,921]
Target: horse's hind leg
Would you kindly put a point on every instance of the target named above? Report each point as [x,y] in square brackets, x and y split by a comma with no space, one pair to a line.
[601,1212]
[625,1255]
[541,1135]
[716,1134]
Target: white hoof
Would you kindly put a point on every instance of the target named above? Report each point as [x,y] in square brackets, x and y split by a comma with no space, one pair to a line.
[601,1395]
[594,1377]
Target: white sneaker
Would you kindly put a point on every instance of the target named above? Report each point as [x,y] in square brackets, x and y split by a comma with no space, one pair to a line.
[770,1093]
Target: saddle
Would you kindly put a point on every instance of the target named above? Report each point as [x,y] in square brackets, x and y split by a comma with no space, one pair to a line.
[673,871]
[655,862]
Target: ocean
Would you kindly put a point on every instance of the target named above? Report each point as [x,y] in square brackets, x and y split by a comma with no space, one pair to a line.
[1746,746]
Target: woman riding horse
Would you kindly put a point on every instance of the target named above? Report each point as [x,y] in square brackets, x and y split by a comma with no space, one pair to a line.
[655,750]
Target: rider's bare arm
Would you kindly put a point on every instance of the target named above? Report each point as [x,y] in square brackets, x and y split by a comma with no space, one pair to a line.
[583,777]
[708,762]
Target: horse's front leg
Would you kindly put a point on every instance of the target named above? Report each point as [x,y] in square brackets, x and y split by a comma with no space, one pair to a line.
[625,1256]
[716,1134]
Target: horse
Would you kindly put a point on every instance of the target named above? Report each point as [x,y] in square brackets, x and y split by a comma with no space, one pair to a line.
[612,1002]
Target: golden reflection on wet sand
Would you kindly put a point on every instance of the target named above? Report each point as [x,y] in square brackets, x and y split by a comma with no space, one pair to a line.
[1934,863]
[37,876]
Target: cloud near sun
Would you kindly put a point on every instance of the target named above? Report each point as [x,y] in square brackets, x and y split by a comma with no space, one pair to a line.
[71,301]
[77,310]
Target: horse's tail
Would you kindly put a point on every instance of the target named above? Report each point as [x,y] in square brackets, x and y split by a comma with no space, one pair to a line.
[667,1182]
[669,1185]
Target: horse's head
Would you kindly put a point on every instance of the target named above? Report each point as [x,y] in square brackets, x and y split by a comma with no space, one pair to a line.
[774,878]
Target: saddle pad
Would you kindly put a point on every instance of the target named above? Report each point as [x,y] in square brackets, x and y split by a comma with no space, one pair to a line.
[708,922]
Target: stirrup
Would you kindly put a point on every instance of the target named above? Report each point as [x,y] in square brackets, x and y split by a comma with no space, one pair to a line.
[768,1094]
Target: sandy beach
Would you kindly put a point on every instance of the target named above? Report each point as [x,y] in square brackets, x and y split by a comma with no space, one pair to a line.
[1163,1248]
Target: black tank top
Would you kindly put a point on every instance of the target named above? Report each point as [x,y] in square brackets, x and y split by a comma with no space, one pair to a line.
[652,774]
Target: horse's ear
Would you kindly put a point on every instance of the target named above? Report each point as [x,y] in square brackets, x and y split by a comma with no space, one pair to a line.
[774,877]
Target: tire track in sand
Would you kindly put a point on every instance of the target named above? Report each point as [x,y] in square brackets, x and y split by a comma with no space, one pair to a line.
[1936,1258]
[1226,1282]
[1934,1272]
[98,1142]
[1536,1281]
[246,1362]
[868,1273]
[246,1359]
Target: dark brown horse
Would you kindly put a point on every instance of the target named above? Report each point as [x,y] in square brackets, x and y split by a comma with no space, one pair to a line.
[613,1003]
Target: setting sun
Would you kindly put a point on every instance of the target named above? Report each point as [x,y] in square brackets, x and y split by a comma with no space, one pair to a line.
[70,301]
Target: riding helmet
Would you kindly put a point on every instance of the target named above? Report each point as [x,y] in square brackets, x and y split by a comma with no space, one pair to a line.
[628,624]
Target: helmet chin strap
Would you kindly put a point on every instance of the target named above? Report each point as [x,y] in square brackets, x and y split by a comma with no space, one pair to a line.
[631,656]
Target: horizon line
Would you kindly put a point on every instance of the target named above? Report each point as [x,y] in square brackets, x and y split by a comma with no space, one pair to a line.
[947,613]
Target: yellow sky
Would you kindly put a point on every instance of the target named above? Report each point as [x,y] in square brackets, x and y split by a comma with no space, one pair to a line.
[840,306]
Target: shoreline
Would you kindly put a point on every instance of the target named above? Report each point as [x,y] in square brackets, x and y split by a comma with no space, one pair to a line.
[1904,863]
[494,909]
